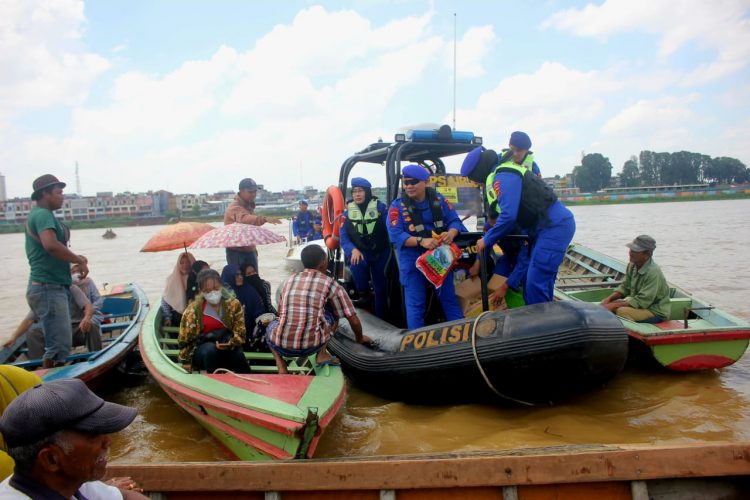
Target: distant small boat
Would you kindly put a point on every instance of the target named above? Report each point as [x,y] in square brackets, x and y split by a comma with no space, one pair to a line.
[696,336]
[109,234]
[125,307]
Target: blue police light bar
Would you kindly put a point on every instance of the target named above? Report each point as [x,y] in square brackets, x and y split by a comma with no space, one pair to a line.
[432,135]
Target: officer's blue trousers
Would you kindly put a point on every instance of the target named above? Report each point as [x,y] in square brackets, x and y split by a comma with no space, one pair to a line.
[415,297]
[547,254]
[372,268]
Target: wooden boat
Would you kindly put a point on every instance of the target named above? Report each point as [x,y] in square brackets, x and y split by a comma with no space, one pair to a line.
[124,307]
[537,353]
[696,336]
[259,416]
[587,472]
[109,234]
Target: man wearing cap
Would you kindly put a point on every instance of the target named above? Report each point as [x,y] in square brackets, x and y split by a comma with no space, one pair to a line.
[242,210]
[302,223]
[413,218]
[643,295]
[316,233]
[523,201]
[365,243]
[49,259]
[57,433]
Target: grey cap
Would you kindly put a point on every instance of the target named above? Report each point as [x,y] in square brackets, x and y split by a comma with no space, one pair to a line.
[248,185]
[65,404]
[642,243]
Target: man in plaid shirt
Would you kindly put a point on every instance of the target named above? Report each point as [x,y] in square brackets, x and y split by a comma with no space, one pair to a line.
[311,305]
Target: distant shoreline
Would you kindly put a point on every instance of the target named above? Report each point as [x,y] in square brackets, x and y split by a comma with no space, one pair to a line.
[155,221]
[657,199]
[134,221]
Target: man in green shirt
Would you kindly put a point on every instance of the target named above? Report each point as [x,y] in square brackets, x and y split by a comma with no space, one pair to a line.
[643,296]
[49,258]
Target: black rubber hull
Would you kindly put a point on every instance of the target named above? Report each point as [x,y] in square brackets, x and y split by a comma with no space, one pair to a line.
[537,353]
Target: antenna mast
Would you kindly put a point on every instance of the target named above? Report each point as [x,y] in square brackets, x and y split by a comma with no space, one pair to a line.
[78,181]
[454,71]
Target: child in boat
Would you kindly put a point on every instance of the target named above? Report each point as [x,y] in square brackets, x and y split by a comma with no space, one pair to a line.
[305,323]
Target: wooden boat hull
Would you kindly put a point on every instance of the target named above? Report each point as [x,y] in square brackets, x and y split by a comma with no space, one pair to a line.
[126,306]
[697,336]
[260,416]
[706,471]
[543,352]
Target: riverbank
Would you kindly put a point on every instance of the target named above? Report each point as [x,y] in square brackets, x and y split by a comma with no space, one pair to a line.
[651,199]
[136,221]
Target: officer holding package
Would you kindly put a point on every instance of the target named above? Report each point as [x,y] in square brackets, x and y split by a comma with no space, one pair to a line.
[523,199]
[412,220]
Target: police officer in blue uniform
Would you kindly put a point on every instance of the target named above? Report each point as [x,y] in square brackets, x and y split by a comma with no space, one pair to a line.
[412,220]
[303,221]
[316,233]
[523,199]
[364,239]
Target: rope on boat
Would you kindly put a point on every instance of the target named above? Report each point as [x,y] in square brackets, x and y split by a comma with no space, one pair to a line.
[243,377]
[479,364]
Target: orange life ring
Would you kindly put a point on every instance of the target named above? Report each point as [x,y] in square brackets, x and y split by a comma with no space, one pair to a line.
[333,213]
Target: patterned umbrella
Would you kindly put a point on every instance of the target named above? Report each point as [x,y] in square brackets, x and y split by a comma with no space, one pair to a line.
[237,235]
[176,236]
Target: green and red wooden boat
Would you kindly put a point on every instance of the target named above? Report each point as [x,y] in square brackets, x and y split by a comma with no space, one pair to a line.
[696,336]
[260,416]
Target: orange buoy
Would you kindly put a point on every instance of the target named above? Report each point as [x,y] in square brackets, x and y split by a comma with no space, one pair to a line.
[333,213]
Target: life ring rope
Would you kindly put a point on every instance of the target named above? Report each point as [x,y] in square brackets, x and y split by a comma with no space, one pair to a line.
[479,364]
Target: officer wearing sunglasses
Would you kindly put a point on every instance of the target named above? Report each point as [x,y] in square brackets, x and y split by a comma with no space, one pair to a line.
[413,218]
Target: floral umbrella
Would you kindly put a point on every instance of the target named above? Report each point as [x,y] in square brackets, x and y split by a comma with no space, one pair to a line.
[237,235]
[176,236]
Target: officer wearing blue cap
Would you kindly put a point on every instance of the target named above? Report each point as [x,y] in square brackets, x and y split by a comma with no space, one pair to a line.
[302,223]
[522,200]
[316,233]
[365,243]
[413,218]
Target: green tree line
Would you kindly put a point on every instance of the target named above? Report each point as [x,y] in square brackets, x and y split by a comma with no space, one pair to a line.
[653,169]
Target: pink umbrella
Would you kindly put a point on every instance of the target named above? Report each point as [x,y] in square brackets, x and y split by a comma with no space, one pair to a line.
[237,235]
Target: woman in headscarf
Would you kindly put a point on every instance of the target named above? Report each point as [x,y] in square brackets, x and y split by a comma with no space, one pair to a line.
[192,281]
[365,243]
[174,298]
[212,330]
[251,300]
[263,287]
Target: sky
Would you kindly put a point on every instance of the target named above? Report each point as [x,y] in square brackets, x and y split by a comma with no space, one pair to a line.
[192,96]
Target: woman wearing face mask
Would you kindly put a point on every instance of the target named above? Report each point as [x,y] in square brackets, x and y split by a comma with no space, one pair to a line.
[173,300]
[251,301]
[212,329]
[263,287]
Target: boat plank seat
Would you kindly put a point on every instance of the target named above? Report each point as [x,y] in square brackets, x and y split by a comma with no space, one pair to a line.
[35,363]
[254,356]
[677,306]
[108,327]
[118,306]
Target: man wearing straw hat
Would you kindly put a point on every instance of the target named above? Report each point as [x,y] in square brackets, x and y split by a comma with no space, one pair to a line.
[49,258]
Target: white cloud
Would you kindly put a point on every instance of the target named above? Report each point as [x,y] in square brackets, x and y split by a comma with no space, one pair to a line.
[721,27]
[43,60]
[547,101]
[471,51]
